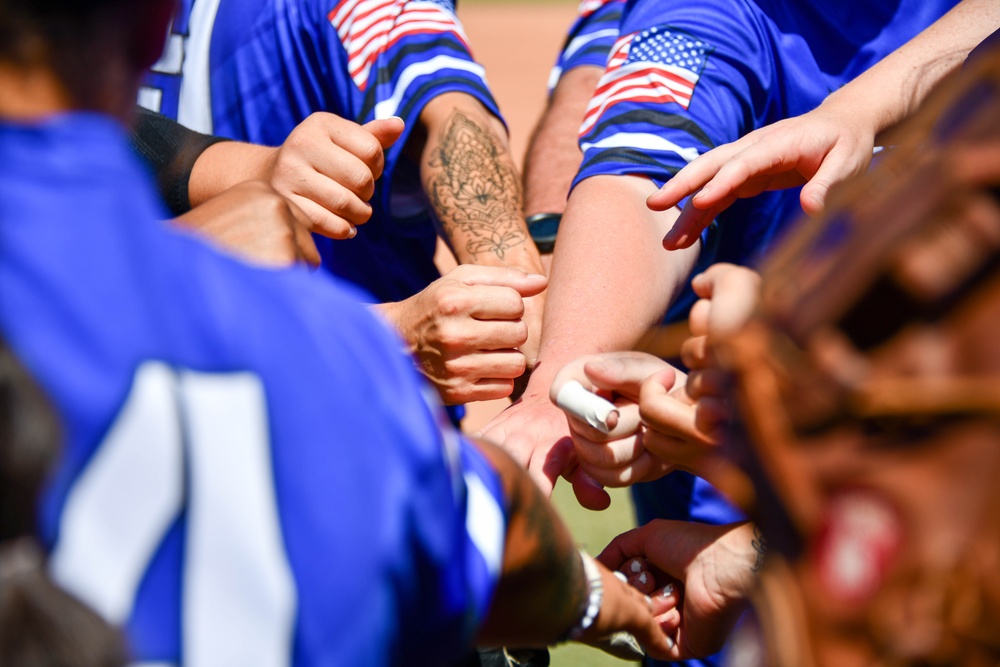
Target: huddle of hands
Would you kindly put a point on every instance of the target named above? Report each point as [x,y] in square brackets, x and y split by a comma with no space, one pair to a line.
[696,576]
[476,329]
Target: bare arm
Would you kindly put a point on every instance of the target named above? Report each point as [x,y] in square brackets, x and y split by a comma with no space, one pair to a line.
[472,184]
[327,166]
[834,141]
[611,280]
[554,153]
[543,589]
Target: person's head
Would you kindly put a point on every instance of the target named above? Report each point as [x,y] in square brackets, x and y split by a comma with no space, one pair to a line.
[869,389]
[40,625]
[95,51]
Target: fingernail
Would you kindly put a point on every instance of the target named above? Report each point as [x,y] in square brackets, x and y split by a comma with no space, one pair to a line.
[649,601]
[668,590]
[621,576]
[352,233]
[399,118]
[670,642]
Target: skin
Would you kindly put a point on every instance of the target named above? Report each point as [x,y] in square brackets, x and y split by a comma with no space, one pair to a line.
[541,569]
[327,167]
[713,569]
[554,155]
[612,314]
[256,224]
[473,187]
[543,588]
[833,142]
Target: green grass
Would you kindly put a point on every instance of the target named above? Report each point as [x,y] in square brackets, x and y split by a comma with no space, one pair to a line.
[592,531]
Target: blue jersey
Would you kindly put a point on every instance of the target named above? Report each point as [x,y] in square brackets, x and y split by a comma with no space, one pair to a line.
[684,78]
[252,473]
[590,38]
[254,69]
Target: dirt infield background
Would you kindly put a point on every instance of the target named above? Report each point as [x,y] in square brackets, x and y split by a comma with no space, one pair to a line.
[518,41]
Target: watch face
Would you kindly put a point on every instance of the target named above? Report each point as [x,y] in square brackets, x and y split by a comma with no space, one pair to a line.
[543,228]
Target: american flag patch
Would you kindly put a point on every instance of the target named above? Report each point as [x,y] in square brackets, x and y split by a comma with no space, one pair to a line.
[368,28]
[657,65]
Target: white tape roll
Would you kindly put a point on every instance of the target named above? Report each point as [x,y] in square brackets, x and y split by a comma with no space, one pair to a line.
[585,405]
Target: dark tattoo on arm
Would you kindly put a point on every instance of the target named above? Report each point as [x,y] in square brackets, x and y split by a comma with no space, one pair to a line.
[474,189]
[759,545]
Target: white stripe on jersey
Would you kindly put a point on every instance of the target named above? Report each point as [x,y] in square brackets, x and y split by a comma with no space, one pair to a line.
[643,141]
[194,109]
[485,523]
[125,501]
[581,41]
[239,593]
[388,107]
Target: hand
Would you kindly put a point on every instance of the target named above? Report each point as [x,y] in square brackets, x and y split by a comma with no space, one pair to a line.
[255,223]
[818,149]
[729,294]
[716,570]
[617,458]
[534,433]
[465,329]
[628,609]
[328,167]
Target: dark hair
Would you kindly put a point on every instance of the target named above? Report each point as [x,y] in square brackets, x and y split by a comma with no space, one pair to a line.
[40,624]
[85,43]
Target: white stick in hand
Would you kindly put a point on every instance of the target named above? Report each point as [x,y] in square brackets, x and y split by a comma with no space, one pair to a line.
[585,405]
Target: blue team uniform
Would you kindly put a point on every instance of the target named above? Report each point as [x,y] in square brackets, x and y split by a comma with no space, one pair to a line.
[251,472]
[590,38]
[254,69]
[682,78]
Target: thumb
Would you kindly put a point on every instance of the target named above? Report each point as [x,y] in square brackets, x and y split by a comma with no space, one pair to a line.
[838,166]
[386,130]
[526,284]
[624,373]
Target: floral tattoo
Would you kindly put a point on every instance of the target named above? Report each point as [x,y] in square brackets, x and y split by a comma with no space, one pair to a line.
[474,188]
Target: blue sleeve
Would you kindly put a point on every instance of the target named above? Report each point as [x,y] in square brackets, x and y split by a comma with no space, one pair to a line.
[401,54]
[679,81]
[590,38]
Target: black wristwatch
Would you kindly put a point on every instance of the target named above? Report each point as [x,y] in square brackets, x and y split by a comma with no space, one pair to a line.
[543,228]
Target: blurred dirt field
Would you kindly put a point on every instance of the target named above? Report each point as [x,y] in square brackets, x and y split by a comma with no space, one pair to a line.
[518,42]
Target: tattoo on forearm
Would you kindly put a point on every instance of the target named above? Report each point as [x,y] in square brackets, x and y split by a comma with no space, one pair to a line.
[474,189]
[759,545]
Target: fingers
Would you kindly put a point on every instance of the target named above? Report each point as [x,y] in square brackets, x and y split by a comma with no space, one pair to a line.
[692,177]
[623,373]
[387,130]
[525,284]
[734,292]
[645,468]
[321,218]
[840,164]
[589,493]
[303,239]
[330,165]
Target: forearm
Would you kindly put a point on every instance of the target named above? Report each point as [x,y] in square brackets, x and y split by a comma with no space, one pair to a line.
[171,150]
[611,278]
[542,590]
[473,186]
[893,88]
[554,153]
[226,164]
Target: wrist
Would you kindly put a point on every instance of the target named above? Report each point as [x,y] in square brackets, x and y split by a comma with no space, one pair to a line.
[592,601]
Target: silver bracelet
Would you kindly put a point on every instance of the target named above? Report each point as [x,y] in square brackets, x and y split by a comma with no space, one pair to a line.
[594,598]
